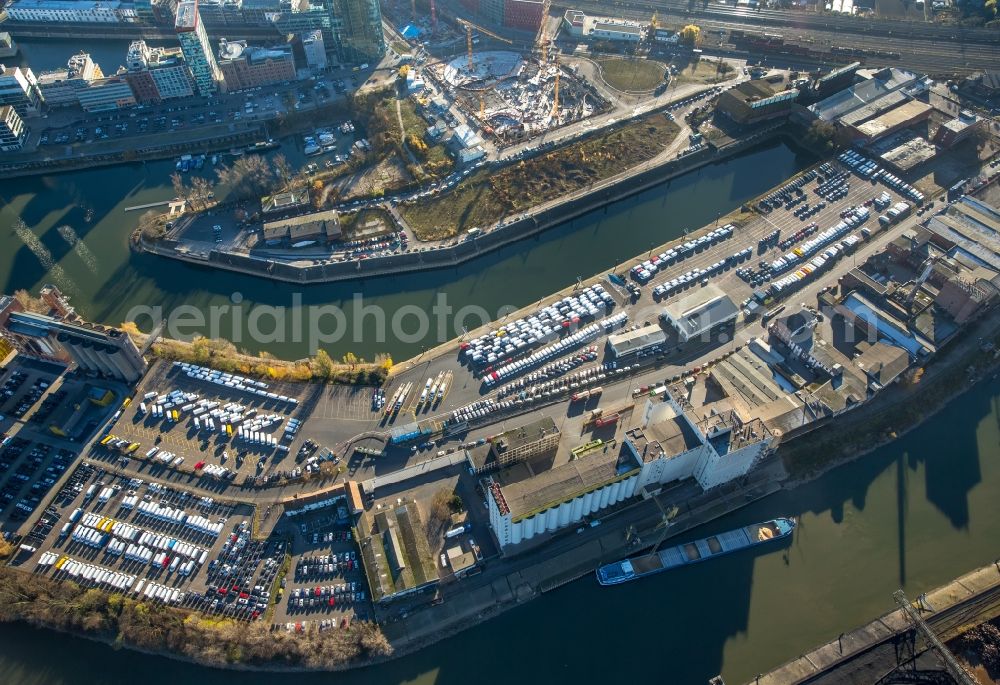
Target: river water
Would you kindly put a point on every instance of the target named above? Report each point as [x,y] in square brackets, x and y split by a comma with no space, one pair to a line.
[913,514]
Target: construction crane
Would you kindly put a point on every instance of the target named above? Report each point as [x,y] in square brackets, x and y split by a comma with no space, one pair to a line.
[960,675]
[555,95]
[543,39]
[468,37]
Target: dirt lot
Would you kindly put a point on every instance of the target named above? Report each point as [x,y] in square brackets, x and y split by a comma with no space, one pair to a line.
[486,197]
[700,71]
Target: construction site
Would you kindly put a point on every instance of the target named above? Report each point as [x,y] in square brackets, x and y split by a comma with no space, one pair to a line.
[511,95]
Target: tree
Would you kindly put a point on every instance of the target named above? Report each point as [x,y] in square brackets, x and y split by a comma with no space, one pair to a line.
[181,191]
[151,226]
[282,171]
[201,190]
[323,365]
[351,360]
[820,135]
[691,35]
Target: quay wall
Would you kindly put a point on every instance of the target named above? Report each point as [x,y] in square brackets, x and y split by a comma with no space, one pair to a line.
[76,163]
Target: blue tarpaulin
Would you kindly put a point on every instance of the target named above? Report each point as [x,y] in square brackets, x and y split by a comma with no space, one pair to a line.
[410,31]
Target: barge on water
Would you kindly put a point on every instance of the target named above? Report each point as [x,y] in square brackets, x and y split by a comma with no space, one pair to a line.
[693,552]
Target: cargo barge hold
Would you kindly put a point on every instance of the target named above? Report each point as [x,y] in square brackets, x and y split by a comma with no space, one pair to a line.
[693,552]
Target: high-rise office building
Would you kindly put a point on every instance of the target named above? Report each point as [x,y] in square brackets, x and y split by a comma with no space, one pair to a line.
[196,48]
[357,30]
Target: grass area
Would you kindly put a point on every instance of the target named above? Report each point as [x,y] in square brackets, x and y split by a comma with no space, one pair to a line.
[362,224]
[705,71]
[434,158]
[486,197]
[632,74]
[399,47]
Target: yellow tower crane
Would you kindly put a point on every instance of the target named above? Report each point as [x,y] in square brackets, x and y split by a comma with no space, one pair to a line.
[543,39]
[555,95]
[469,26]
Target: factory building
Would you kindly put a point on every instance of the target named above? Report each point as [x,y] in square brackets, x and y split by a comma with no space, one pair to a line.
[67,11]
[888,122]
[304,230]
[516,445]
[19,89]
[627,343]
[660,444]
[196,48]
[752,102]
[700,312]
[12,131]
[245,66]
[958,129]
[61,87]
[96,349]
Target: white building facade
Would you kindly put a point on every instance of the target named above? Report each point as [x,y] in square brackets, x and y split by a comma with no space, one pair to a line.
[66,11]
[513,531]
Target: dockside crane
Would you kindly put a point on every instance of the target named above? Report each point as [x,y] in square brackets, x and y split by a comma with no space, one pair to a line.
[960,675]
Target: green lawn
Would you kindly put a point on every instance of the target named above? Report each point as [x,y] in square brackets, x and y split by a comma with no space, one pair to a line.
[485,198]
[632,74]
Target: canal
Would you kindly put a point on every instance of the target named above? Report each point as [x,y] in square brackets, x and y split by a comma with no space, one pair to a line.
[77,238]
[913,514]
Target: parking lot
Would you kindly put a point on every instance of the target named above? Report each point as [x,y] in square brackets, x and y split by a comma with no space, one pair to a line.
[788,216]
[44,416]
[325,583]
[178,426]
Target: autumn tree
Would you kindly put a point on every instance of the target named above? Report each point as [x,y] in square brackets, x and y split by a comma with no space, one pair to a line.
[691,35]
[322,364]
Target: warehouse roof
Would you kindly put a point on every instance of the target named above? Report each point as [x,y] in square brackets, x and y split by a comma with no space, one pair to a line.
[894,118]
[550,488]
[700,311]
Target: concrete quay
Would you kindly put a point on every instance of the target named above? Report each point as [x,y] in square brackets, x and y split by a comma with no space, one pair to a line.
[865,653]
[559,558]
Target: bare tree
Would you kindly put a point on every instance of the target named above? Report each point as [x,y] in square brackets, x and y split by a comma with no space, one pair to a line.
[282,171]
[181,190]
[201,190]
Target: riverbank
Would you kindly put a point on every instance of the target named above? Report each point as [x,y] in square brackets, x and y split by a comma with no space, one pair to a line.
[153,628]
[528,224]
